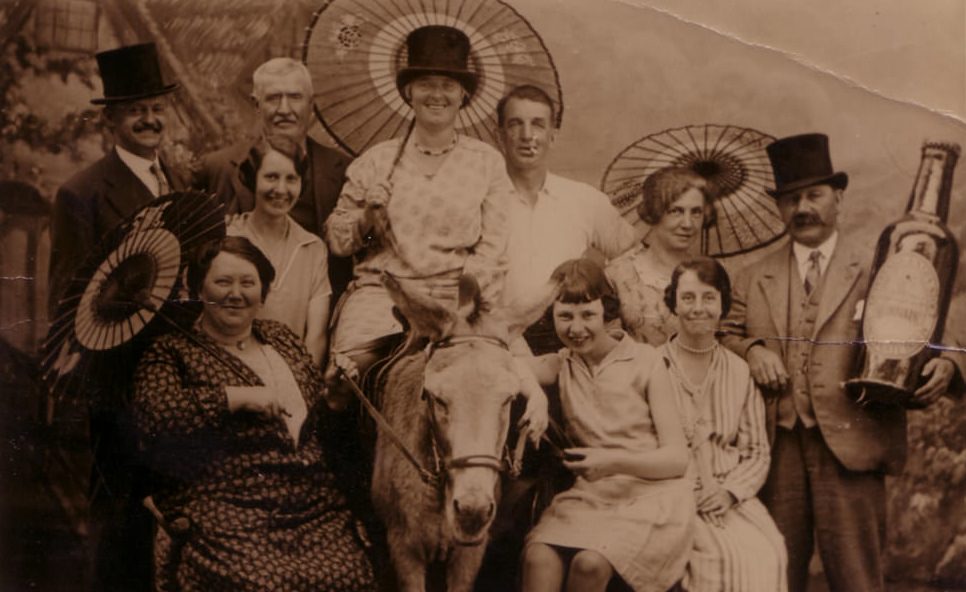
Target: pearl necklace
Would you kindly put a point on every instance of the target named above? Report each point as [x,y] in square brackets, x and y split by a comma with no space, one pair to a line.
[696,350]
[438,152]
[241,344]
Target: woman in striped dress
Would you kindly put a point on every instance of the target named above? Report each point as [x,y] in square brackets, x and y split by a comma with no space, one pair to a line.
[737,547]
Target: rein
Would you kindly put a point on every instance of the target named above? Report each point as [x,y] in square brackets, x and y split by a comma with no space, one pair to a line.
[441,464]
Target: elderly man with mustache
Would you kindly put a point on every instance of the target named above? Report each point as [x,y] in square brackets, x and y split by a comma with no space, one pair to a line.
[795,318]
[87,208]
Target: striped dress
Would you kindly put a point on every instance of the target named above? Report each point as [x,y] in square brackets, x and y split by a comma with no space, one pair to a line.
[724,421]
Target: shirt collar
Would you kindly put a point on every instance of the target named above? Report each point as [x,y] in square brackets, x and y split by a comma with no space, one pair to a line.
[134,162]
[549,183]
[826,249]
[625,350]
[241,224]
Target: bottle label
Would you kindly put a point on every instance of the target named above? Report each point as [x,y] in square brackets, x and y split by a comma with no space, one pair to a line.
[901,310]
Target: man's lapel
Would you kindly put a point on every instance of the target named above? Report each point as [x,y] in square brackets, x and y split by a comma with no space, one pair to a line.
[325,185]
[843,271]
[178,178]
[124,193]
[236,190]
[774,282]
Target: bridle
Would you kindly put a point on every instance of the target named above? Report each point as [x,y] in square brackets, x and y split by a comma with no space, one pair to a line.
[442,465]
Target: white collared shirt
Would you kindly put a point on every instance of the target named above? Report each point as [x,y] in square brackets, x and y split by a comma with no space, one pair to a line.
[802,254]
[141,167]
[567,219]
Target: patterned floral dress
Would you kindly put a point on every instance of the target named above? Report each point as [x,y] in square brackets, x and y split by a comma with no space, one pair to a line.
[724,421]
[640,287]
[444,224]
[254,511]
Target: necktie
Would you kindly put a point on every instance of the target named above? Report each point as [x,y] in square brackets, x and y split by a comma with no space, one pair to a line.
[812,271]
[163,187]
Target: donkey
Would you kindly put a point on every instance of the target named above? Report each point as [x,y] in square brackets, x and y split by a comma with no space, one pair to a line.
[449,404]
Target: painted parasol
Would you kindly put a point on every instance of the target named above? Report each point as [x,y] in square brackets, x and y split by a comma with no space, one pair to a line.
[732,159]
[354,48]
[130,291]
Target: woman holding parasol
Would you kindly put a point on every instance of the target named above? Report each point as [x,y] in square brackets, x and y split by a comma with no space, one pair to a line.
[426,208]
[234,424]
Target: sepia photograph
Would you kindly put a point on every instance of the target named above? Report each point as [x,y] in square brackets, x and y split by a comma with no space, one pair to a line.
[482,295]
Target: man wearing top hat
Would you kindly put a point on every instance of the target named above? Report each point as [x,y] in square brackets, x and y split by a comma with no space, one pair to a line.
[282,94]
[87,208]
[795,318]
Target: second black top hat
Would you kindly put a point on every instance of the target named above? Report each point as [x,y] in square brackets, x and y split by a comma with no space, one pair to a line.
[130,73]
[800,161]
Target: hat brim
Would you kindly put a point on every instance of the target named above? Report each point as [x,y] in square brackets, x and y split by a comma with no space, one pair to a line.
[839,180]
[147,95]
[467,79]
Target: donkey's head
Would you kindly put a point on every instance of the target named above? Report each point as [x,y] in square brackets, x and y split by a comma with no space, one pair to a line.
[470,381]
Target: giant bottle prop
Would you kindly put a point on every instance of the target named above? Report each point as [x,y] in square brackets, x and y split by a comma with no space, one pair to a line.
[912,281]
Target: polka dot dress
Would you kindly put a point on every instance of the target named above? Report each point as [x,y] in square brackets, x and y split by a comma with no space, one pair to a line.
[254,510]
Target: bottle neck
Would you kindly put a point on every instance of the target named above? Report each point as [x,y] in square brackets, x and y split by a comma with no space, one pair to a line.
[931,193]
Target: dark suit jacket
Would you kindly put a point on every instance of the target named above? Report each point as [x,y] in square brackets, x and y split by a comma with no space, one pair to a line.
[87,208]
[219,174]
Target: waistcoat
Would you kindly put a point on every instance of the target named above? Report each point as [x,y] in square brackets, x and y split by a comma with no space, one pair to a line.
[796,401]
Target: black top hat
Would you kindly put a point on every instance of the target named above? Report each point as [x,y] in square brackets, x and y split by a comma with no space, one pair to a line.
[131,73]
[800,161]
[438,49]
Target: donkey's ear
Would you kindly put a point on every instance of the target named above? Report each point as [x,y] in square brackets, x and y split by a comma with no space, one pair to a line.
[527,310]
[427,317]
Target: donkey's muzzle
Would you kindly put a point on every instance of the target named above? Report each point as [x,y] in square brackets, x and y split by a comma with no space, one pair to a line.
[473,518]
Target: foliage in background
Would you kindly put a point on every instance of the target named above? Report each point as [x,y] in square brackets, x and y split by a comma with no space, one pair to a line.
[21,122]
[927,502]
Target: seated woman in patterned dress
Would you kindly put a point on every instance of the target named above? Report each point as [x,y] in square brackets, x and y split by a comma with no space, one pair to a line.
[299,296]
[630,511]
[677,204]
[234,423]
[425,208]
[737,547]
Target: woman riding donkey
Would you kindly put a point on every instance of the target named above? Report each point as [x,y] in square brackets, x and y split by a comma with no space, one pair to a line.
[426,208]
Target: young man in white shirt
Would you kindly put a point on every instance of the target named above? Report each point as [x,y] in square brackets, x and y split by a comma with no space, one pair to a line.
[552,219]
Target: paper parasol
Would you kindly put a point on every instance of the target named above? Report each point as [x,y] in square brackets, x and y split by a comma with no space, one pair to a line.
[129,291]
[354,49]
[732,159]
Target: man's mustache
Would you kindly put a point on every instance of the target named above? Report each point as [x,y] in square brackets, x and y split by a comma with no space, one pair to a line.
[806,220]
[156,127]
